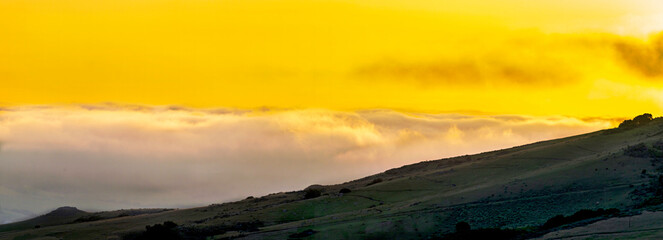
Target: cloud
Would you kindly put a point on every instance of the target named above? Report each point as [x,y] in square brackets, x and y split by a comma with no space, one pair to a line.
[645,57]
[474,72]
[114,156]
[533,60]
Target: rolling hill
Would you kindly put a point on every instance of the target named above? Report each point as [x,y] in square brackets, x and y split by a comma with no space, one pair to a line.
[62,215]
[520,192]
[68,215]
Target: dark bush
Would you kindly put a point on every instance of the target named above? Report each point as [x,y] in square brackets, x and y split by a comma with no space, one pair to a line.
[654,192]
[165,231]
[375,181]
[344,190]
[463,230]
[197,232]
[487,233]
[555,221]
[639,150]
[583,214]
[643,119]
[312,193]
[37,226]
[247,226]
[637,121]
[658,145]
[170,231]
[90,218]
[203,232]
[303,234]
[463,227]
[628,123]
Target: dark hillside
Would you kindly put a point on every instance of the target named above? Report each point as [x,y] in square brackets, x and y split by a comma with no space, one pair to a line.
[62,215]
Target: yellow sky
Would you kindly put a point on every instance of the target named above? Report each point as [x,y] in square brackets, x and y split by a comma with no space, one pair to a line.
[584,59]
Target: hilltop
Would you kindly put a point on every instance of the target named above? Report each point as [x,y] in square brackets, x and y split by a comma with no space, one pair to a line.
[574,185]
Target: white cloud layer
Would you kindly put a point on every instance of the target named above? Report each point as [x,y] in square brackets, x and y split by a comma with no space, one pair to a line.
[100,157]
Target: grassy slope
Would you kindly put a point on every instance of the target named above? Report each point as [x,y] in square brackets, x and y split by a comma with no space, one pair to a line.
[515,187]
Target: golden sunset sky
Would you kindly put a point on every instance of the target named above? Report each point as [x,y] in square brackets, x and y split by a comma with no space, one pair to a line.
[583,59]
[109,104]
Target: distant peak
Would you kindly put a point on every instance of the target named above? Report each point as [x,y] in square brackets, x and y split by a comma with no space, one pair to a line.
[66,208]
[65,211]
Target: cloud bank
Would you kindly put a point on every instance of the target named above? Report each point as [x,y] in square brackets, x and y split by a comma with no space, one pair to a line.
[100,157]
[534,60]
[645,57]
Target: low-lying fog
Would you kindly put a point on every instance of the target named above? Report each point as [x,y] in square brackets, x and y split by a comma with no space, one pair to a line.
[103,157]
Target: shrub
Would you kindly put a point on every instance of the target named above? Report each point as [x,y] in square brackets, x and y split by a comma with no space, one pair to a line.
[165,231]
[628,123]
[303,234]
[486,233]
[643,119]
[312,193]
[344,190]
[170,231]
[652,194]
[463,227]
[555,221]
[658,145]
[583,214]
[637,121]
[90,218]
[639,150]
[375,181]
[248,226]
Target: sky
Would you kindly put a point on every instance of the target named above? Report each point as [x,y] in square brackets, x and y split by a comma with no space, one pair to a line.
[146,98]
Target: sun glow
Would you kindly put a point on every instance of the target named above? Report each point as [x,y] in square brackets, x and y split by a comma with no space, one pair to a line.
[422,56]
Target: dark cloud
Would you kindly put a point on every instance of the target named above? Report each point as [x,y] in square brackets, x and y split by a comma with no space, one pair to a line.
[486,71]
[543,61]
[645,57]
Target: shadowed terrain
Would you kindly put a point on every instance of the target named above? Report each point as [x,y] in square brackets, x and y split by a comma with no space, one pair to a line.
[518,193]
[69,215]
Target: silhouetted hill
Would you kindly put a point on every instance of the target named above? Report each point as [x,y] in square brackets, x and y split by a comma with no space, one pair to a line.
[70,215]
[63,212]
[62,215]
